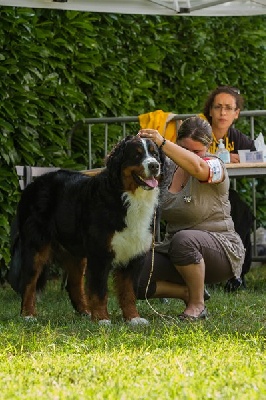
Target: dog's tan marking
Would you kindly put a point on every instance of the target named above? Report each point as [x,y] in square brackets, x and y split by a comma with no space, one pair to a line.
[125,295]
[98,308]
[28,306]
[129,184]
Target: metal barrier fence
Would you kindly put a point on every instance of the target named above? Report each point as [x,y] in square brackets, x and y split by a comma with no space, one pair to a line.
[125,122]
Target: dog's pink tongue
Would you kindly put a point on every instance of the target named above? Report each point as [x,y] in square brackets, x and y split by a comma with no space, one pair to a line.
[152,182]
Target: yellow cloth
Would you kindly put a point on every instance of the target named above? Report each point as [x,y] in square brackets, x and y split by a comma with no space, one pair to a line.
[162,121]
[202,116]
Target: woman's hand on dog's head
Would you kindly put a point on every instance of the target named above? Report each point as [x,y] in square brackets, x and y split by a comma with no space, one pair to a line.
[152,134]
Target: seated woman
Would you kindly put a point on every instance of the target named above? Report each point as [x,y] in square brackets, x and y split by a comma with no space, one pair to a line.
[222,109]
[200,244]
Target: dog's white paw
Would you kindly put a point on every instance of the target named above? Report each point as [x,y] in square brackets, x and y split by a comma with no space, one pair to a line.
[30,318]
[138,321]
[104,322]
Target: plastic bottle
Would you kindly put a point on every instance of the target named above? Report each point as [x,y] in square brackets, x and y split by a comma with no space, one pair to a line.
[222,152]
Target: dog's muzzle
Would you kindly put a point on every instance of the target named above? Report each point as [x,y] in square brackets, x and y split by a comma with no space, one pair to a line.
[151,171]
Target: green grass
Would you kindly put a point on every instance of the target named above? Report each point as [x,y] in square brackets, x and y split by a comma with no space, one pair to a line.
[65,356]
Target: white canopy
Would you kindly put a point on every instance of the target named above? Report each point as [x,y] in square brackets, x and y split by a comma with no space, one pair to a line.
[155,7]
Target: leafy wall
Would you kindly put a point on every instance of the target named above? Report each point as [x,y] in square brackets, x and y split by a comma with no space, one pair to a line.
[58,67]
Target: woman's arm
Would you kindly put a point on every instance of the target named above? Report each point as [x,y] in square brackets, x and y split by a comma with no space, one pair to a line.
[186,159]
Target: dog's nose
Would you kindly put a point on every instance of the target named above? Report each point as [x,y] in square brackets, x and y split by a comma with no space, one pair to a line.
[154,168]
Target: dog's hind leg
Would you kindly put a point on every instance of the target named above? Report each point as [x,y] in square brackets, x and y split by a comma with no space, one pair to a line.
[75,269]
[30,279]
[126,297]
[97,285]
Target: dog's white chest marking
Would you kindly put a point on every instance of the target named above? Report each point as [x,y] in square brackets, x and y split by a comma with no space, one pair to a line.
[136,237]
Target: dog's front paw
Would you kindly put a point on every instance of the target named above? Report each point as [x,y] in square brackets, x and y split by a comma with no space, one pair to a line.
[104,322]
[29,318]
[138,321]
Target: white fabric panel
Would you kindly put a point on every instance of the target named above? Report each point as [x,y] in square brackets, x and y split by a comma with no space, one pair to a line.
[156,7]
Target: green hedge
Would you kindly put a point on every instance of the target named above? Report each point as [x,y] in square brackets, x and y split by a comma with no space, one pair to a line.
[58,67]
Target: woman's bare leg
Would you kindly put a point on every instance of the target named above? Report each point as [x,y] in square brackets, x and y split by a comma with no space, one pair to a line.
[171,290]
[194,275]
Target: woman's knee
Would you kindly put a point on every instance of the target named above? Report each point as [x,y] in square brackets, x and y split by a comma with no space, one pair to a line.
[184,249]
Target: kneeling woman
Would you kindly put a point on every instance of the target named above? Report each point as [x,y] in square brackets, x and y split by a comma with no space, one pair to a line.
[200,244]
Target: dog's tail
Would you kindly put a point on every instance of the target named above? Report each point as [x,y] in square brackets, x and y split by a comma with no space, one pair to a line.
[14,275]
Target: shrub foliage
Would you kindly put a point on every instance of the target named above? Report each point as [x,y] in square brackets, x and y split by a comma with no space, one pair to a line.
[58,67]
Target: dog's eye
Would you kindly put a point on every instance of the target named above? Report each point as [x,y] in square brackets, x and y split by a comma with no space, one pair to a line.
[138,154]
[154,153]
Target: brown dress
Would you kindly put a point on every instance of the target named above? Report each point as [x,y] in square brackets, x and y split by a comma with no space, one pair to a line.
[202,207]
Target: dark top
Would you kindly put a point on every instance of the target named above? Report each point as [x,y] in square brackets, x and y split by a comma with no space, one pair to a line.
[234,140]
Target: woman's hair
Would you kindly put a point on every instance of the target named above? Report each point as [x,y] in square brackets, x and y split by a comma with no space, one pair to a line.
[197,129]
[222,89]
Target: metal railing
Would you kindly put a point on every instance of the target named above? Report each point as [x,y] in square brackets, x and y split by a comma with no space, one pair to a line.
[126,121]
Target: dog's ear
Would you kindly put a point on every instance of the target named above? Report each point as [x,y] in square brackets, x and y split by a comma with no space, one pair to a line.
[116,154]
[114,159]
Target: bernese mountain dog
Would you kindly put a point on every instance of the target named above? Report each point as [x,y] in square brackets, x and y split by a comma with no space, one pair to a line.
[92,225]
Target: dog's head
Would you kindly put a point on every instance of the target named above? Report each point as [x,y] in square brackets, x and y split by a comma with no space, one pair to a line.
[136,162]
